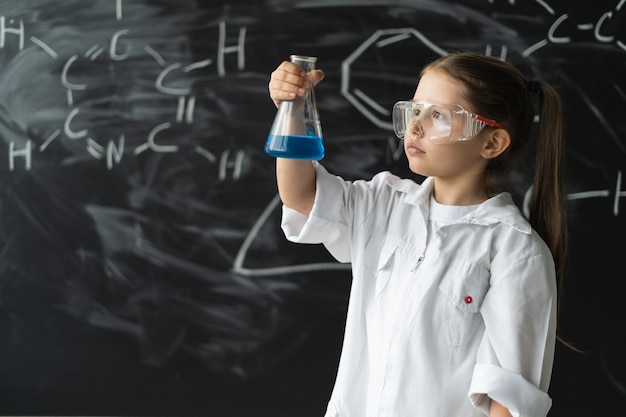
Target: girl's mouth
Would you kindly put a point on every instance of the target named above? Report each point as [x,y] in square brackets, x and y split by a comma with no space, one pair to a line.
[413,149]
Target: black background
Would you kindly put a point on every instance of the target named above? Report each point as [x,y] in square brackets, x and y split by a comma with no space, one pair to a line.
[142,267]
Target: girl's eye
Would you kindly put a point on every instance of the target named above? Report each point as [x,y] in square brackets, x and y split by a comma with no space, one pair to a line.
[440,116]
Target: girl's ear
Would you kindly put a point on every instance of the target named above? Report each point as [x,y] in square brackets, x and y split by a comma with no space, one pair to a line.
[497,142]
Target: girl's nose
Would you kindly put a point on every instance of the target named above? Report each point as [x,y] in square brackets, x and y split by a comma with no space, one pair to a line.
[416,128]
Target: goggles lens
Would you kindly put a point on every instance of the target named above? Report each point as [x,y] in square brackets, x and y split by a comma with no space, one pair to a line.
[438,123]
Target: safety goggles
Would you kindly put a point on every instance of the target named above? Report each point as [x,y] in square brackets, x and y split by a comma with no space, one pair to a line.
[436,122]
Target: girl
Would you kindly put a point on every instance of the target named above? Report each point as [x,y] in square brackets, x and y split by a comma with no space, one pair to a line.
[452,309]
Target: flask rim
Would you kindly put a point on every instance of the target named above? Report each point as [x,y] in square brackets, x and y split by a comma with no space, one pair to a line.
[303,58]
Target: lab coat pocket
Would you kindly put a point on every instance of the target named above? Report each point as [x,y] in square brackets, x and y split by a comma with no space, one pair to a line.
[380,262]
[463,288]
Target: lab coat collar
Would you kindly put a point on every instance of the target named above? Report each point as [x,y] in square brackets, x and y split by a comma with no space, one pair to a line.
[497,209]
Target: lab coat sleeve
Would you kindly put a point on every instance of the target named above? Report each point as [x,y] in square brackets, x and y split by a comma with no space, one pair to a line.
[325,223]
[515,358]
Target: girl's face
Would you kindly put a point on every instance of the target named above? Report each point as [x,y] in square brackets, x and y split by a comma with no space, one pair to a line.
[448,160]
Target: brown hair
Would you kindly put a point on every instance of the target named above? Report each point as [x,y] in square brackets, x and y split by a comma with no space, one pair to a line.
[499,91]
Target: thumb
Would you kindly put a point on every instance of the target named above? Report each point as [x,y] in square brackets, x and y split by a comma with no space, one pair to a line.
[315,76]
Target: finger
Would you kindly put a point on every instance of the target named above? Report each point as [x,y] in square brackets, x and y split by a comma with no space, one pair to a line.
[284,90]
[291,68]
[286,86]
[286,78]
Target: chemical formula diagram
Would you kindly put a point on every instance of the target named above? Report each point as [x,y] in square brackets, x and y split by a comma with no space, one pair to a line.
[111,151]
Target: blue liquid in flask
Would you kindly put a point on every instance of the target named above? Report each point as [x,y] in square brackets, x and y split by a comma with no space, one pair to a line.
[295,147]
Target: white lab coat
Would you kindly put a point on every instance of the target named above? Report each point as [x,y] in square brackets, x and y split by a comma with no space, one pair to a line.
[475,313]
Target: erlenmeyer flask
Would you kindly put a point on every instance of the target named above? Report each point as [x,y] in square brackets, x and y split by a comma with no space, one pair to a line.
[296,132]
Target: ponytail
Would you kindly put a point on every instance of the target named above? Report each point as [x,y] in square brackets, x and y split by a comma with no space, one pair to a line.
[547,205]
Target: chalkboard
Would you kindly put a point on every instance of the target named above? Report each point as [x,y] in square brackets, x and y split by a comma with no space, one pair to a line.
[142,267]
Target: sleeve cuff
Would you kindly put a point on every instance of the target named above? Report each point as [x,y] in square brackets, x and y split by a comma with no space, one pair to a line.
[512,390]
[292,223]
